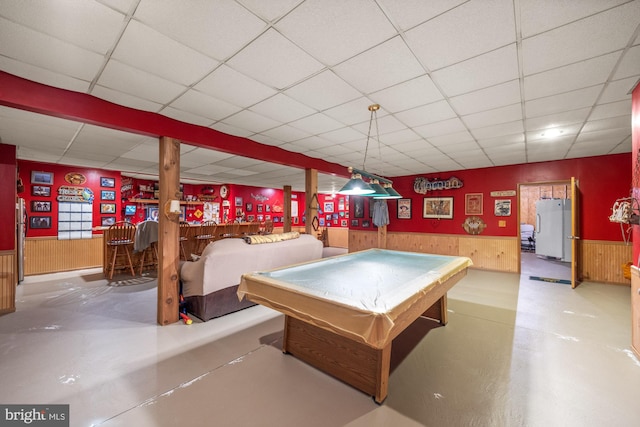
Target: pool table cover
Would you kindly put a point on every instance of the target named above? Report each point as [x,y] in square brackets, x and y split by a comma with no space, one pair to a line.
[368,296]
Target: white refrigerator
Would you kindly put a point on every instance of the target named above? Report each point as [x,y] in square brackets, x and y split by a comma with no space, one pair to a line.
[553,228]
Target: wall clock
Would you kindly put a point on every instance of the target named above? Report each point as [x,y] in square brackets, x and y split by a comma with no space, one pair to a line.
[224,191]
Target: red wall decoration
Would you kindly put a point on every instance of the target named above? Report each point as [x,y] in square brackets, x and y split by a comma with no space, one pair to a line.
[602,180]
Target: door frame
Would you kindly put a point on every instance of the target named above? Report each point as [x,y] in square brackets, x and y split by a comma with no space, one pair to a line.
[572,185]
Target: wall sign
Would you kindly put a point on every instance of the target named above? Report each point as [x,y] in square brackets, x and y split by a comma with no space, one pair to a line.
[423,185]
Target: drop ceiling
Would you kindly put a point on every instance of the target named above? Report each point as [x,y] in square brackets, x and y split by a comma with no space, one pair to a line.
[461,84]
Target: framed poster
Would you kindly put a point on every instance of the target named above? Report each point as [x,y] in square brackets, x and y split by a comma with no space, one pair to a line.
[107,195]
[41,190]
[438,207]
[473,204]
[358,207]
[107,208]
[404,208]
[40,222]
[45,178]
[40,206]
[107,182]
[502,208]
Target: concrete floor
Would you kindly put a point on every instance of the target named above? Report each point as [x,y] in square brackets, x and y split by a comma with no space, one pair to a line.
[515,353]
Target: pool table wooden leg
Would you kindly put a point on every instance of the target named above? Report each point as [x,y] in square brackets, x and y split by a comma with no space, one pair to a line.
[363,367]
[438,311]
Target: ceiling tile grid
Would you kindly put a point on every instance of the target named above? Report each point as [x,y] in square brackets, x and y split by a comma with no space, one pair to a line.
[461,84]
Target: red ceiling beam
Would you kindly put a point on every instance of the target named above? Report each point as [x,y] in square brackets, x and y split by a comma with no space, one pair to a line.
[23,94]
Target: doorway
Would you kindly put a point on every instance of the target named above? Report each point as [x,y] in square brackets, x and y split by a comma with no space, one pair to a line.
[537,261]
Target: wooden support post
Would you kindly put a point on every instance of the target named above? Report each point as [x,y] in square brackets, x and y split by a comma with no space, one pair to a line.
[311,190]
[286,226]
[168,232]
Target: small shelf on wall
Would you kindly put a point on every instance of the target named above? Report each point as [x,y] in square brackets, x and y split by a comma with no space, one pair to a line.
[155,201]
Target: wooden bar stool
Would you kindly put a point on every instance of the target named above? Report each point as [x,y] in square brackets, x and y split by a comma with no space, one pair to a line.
[187,235]
[120,239]
[205,235]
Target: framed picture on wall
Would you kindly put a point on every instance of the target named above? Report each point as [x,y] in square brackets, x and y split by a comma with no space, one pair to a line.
[358,207]
[473,204]
[107,195]
[328,207]
[404,208]
[40,222]
[45,178]
[438,207]
[41,190]
[107,208]
[108,221]
[107,182]
[502,208]
[355,222]
[40,206]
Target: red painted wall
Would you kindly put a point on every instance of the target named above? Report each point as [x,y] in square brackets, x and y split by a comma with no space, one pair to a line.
[8,197]
[602,180]
[93,177]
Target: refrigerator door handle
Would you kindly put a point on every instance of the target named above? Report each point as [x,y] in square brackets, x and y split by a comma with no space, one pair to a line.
[537,223]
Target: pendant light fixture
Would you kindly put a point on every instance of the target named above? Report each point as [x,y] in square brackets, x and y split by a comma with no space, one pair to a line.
[376,187]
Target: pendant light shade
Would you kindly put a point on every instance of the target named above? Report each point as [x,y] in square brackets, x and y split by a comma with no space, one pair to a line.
[356,187]
[391,193]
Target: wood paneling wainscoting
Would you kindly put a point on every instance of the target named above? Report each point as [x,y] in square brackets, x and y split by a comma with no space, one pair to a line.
[50,255]
[487,253]
[601,260]
[8,280]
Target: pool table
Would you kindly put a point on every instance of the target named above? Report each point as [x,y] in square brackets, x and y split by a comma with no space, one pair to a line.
[342,313]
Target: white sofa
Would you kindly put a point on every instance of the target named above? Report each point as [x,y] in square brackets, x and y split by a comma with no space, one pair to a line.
[209,284]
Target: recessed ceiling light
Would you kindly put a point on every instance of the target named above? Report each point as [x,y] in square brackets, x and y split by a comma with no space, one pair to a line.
[551,133]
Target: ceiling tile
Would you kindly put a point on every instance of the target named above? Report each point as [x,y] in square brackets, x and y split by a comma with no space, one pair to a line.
[618,90]
[563,102]
[620,122]
[443,127]
[323,91]
[286,133]
[316,124]
[452,139]
[321,27]
[489,69]
[217,29]
[593,36]
[251,121]
[40,75]
[185,116]
[426,114]
[380,67]
[469,30]
[575,76]
[124,78]
[613,109]
[148,50]
[502,141]
[275,61]
[126,99]
[409,13]
[499,130]
[204,105]
[563,118]
[496,116]
[271,10]
[352,112]
[34,48]
[537,16]
[486,99]
[233,87]
[410,94]
[629,65]
[282,108]
[87,24]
